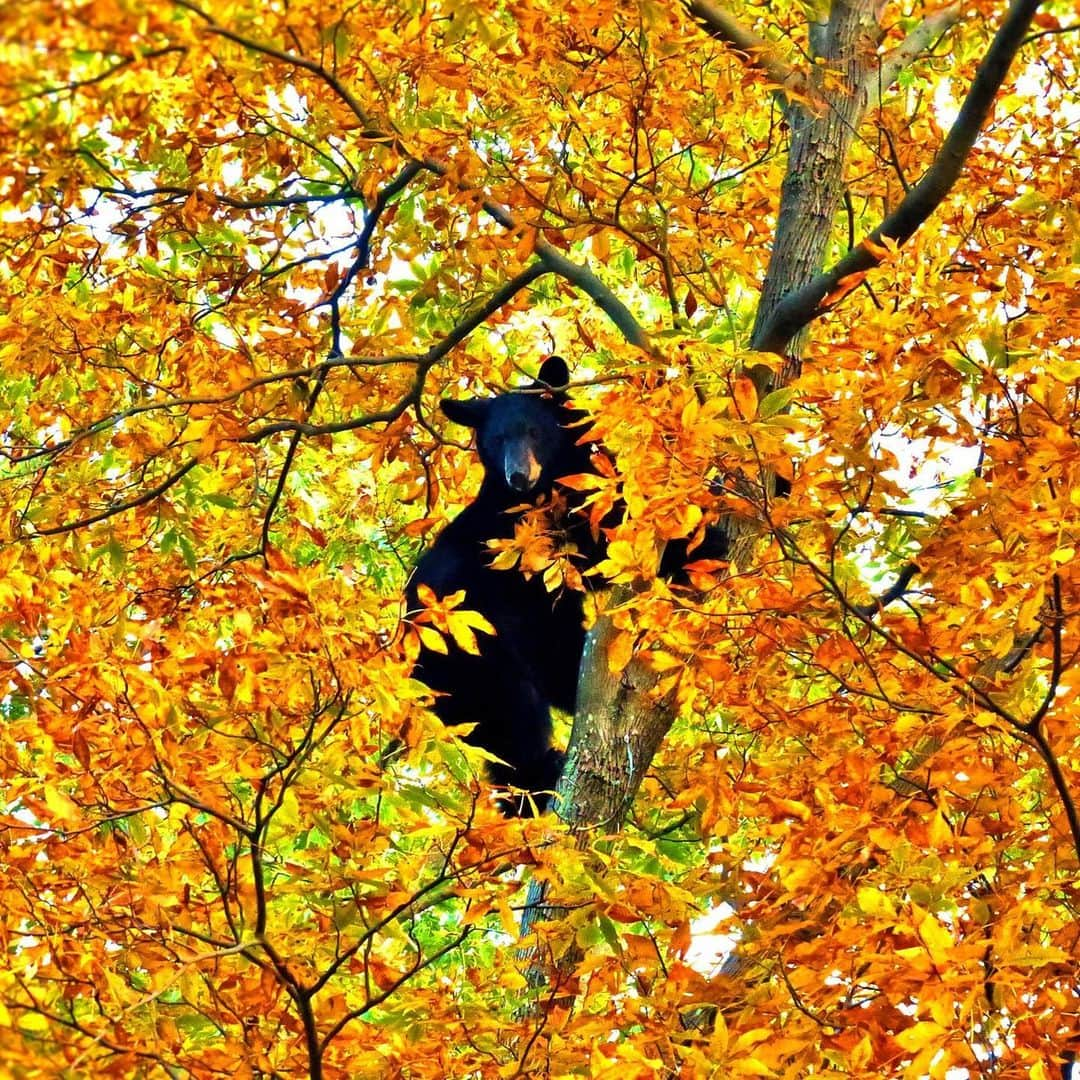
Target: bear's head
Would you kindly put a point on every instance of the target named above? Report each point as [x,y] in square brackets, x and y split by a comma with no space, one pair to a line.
[521,435]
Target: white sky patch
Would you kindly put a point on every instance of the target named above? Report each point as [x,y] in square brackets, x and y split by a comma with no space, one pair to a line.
[708,947]
[232,172]
[925,467]
[946,107]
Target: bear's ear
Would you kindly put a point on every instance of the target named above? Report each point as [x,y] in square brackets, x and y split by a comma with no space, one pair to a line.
[554,373]
[467,413]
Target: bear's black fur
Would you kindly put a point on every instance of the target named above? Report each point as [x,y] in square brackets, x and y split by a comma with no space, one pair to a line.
[532,662]
[526,441]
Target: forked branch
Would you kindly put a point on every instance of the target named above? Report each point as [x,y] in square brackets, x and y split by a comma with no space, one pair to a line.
[803,305]
[577,274]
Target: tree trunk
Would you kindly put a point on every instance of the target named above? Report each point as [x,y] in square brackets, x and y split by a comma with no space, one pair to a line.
[617,729]
[619,724]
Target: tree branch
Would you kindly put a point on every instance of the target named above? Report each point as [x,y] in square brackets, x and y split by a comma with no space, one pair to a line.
[915,44]
[818,296]
[1061,785]
[424,365]
[362,261]
[175,192]
[91,80]
[893,592]
[580,275]
[119,508]
[372,131]
[376,1000]
[763,54]
[293,375]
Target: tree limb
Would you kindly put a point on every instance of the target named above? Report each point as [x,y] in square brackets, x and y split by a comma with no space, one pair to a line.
[915,44]
[763,53]
[372,131]
[96,427]
[818,296]
[893,592]
[580,275]
[139,500]
[91,80]
[423,366]
[362,261]
[577,274]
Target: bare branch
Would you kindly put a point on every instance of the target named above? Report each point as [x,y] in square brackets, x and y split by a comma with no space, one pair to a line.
[580,275]
[915,44]
[175,192]
[1057,629]
[119,508]
[373,1002]
[763,53]
[91,80]
[1052,32]
[424,365]
[372,131]
[893,592]
[1061,785]
[820,295]
[362,261]
[291,375]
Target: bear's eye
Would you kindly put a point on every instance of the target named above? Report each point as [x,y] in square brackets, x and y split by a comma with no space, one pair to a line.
[533,433]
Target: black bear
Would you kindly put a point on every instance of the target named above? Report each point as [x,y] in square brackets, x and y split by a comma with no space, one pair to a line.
[527,440]
[525,444]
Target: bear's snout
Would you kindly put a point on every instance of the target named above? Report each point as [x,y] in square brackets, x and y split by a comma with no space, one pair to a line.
[522,470]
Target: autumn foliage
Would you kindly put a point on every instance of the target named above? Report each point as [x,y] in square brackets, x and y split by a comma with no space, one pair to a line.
[244,250]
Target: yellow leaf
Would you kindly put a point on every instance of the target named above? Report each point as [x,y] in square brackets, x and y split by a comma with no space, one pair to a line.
[197,430]
[939,831]
[1032,956]
[750,1067]
[1029,609]
[33,1023]
[937,938]
[874,902]
[507,918]
[620,650]
[718,1042]
[463,636]
[923,1034]
[60,806]
[432,639]
[745,398]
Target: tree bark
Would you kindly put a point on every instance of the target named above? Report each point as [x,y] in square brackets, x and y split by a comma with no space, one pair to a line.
[619,725]
[845,50]
[806,300]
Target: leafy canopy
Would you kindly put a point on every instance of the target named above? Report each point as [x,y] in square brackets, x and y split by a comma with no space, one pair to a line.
[244,250]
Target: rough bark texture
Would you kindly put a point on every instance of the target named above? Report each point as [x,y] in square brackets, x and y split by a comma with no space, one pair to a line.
[618,728]
[807,300]
[844,49]
[619,725]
